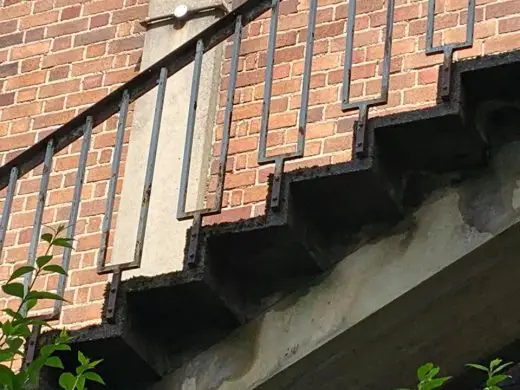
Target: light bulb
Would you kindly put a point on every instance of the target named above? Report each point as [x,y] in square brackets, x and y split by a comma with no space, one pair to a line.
[180,11]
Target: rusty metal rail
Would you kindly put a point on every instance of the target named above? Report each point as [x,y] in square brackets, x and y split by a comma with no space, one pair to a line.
[157,75]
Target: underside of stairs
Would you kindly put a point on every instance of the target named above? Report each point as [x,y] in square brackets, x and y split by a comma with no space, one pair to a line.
[246,266]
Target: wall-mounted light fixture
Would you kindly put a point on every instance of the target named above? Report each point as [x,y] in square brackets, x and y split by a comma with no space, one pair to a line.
[183,12]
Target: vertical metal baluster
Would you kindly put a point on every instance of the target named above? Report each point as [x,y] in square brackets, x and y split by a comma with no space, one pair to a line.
[387,56]
[448,49]
[228,115]
[188,144]
[107,219]
[74,209]
[306,83]
[268,83]
[430,26]
[349,47]
[152,154]
[8,203]
[38,216]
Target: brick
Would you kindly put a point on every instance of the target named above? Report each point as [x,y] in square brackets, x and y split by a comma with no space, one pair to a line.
[59,72]
[132,13]
[502,43]
[66,28]
[26,95]
[52,105]
[99,20]
[8,27]
[37,20]
[75,314]
[43,5]
[92,66]
[65,57]
[119,76]
[11,39]
[34,35]
[15,11]
[99,35]
[92,82]
[96,7]
[125,44]
[54,119]
[336,144]
[6,99]
[60,88]
[86,98]
[21,110]
[30,64]
[501,9]
[7,70]
[61,43]
[15,142]
[509,25]
[70,12]
[30,50]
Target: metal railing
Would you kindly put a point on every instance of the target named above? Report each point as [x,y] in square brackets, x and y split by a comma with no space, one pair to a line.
[157,75]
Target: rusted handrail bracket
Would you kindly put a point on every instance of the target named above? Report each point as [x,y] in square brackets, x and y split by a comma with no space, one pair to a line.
[136,87]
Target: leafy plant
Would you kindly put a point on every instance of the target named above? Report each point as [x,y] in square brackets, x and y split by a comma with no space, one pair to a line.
[494,373]
[16,328]
[427,377]
[428,380]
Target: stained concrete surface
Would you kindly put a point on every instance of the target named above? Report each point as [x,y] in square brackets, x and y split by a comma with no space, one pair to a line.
[451,223]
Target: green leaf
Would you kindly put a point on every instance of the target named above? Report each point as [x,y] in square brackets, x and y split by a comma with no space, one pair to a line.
[82,359]
[94,364]
[30,303]
[80,384]
[477,366]
[495,380]
[44,295]
[67,380]
[14,344]
[6,377]
[92,376]
[14,289]
[20,271]
[43,260]
[63,242]
[503,366]
[13,314]
[47,237]
[495,363]
[55,269]
[423,371]
[54,361]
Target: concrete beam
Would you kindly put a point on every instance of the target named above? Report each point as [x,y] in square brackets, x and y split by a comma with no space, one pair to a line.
[317,332]
[165,236]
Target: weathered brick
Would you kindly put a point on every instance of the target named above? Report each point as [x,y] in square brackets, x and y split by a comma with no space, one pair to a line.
[125,44]
[99,35]
[59,72]
[71,27]
[8,26]
[60,88]
[25,80]
[54,119]
[70,12]
[11,39]
[131,13]
[41,19]
[9,69]
[64,57]
[30,50]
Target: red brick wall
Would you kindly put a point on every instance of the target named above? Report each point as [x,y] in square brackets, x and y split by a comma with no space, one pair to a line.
[413,81]
[57,57]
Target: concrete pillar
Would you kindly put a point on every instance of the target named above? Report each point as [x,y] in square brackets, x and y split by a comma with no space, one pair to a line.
[165,236]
